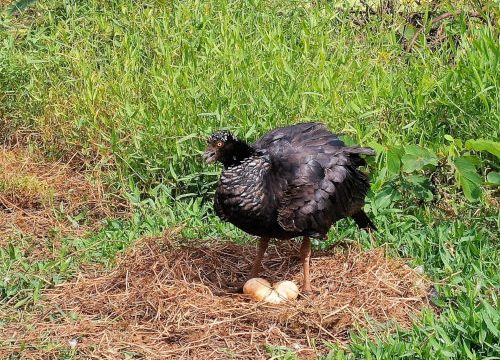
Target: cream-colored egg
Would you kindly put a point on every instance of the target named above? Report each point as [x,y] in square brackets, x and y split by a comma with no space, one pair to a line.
[260,289]
[274,298]
[257,288]
[287,289]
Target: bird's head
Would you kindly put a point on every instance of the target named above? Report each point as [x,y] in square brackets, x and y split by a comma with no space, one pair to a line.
[220,146]
[225,148]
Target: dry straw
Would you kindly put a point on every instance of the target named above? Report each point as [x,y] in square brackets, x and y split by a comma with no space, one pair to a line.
[37,196]
[168,301]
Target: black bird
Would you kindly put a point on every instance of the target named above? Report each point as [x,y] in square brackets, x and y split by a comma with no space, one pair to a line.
[294,181]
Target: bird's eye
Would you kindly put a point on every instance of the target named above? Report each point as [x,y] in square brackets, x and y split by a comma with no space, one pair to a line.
[219,144]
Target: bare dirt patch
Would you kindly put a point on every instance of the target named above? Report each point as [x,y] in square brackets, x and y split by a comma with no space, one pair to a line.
[165,301]
[38,197]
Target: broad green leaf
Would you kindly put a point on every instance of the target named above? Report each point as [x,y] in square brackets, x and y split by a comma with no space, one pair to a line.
[467,177]
[407,31]
[493,178]
[386,197]
[417,179]
[474,160]
[421,187]
[394,160]
[493,147]
[416,157]
[376,146]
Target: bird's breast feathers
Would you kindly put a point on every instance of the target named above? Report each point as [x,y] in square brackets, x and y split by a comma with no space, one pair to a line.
[242,188]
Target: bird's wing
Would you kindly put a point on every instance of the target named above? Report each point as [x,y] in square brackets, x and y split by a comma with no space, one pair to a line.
[316,180]
[325,186]
[284,141]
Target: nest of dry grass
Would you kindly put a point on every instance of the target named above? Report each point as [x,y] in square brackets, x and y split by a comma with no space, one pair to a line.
[165,301]
[37,196]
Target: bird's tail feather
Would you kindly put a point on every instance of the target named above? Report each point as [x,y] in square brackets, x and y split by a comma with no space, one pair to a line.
[359,150]
[363,221]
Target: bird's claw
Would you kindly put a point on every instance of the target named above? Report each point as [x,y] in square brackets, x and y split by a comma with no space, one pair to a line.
[309,294]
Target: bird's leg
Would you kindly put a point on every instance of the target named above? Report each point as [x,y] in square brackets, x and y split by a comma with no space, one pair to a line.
[305,254]
[257,264]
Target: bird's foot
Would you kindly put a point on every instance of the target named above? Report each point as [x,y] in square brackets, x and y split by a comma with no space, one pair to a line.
[309,294]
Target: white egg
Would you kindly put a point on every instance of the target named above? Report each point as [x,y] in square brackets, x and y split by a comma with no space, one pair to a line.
[274,298]
[260,289]
[257,288]
[287,289]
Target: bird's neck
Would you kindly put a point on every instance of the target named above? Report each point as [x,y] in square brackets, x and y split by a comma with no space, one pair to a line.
[240,151]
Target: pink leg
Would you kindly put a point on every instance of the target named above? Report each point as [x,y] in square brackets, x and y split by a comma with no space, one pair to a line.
[305,254]
[257,264]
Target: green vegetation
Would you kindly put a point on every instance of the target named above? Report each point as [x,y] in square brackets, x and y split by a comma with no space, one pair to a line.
[130,90]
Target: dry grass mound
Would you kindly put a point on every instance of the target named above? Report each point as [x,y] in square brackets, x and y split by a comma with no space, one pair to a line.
[164,301]
[37,196]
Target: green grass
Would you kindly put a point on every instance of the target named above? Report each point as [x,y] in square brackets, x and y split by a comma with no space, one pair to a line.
[134,83]
[133,88]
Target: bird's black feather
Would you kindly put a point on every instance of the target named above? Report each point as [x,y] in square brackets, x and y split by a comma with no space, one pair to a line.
[294,181]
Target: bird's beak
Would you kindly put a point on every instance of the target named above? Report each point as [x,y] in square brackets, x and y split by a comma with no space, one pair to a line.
[209,156]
